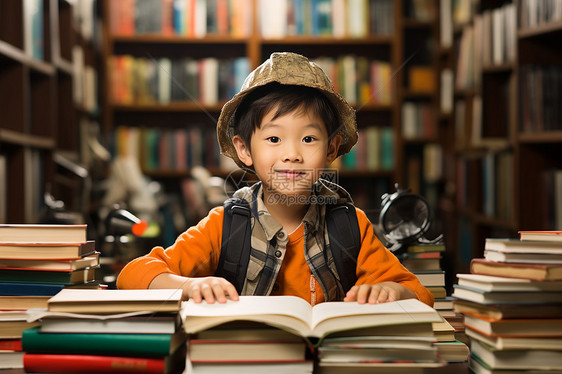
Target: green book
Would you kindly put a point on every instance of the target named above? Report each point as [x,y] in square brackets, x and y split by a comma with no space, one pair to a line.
[156,345]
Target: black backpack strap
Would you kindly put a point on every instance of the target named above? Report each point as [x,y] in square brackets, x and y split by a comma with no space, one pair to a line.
[236,242]
[345,241]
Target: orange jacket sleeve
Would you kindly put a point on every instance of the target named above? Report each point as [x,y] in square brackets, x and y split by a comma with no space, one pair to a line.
[195,253]
[377,264]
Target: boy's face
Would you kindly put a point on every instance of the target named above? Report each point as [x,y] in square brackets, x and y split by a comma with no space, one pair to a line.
[288,153]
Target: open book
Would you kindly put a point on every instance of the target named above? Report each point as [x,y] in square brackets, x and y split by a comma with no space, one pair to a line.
[295,315]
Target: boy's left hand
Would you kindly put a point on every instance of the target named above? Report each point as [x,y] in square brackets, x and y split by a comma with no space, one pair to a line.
[379,293]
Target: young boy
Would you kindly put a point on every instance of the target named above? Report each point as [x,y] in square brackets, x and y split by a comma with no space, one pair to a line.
[286,124]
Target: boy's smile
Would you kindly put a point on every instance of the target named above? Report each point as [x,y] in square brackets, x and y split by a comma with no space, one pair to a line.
[288,154]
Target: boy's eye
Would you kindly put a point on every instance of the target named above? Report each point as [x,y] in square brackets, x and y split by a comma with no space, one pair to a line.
[274,139]
[308,139]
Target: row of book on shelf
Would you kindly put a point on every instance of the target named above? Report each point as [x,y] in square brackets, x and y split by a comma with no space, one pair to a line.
[512,304]
[280,18]
[331,18]
[71,321]
[187,18]
[169,149]
[140,80]
[33,21]
[181,149]
[210,80]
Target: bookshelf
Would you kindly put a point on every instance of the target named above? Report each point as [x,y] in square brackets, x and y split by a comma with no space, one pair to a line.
[360,43]
[503,169]
[39,130]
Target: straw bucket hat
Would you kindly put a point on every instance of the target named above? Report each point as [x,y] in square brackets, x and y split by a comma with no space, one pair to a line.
[294,69]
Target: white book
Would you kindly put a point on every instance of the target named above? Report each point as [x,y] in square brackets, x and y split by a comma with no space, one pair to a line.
[210,81]
[164,80]
[517,359]
[493,283]
[446,20]
[297,316]
[273,18]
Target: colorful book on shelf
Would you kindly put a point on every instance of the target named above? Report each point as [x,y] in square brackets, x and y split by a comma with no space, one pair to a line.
[507,311]
[154,345]
[12,233]
[52,265]
[540,272]
[48,276]
[298,317]
[549,236]
[68,363]
[73,300]
[46,251]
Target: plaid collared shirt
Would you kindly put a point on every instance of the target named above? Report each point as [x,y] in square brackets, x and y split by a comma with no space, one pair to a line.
[269,241]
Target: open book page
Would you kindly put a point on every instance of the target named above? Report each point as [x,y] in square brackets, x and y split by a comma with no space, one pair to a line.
[297,316]
[287,312]
[329,317]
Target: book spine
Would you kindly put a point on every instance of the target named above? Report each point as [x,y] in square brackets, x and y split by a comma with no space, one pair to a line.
[67,363]
[156,345]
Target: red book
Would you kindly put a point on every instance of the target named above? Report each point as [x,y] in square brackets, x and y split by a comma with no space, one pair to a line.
[539,272]
[61,363]
[10,345]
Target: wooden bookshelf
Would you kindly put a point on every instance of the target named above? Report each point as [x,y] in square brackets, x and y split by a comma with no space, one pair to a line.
[40,116]
[511,149]
[123,38]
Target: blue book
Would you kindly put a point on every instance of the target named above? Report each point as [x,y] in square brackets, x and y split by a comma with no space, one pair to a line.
[29,289]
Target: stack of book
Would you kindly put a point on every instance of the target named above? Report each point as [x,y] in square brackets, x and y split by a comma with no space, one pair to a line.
[291,336]
[36,262]
[107,331]
[424,260]
[512,306]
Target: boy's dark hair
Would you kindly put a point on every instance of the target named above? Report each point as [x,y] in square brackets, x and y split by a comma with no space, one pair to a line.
[286,98]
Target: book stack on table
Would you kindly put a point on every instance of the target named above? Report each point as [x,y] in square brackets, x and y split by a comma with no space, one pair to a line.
[107,331]
[291,336]
[424,260]
[36,262]
[512,306]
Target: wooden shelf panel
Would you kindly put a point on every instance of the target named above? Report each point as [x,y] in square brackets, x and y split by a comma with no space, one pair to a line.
[540,30]
[14,137]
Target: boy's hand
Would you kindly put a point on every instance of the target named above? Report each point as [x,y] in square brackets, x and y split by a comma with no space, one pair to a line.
[379,293]
[209,289]
[198,289]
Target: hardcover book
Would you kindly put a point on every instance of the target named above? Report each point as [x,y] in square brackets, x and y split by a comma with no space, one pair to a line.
[115,301]
[298,317]
[540,272]
[550,236]
[45,251]
[154,345]
[10,233]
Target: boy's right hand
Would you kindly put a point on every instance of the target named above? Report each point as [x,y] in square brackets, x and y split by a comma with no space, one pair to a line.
[209,289]
[198,289]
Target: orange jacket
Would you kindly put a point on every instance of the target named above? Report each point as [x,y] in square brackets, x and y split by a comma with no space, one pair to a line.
[196,254]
